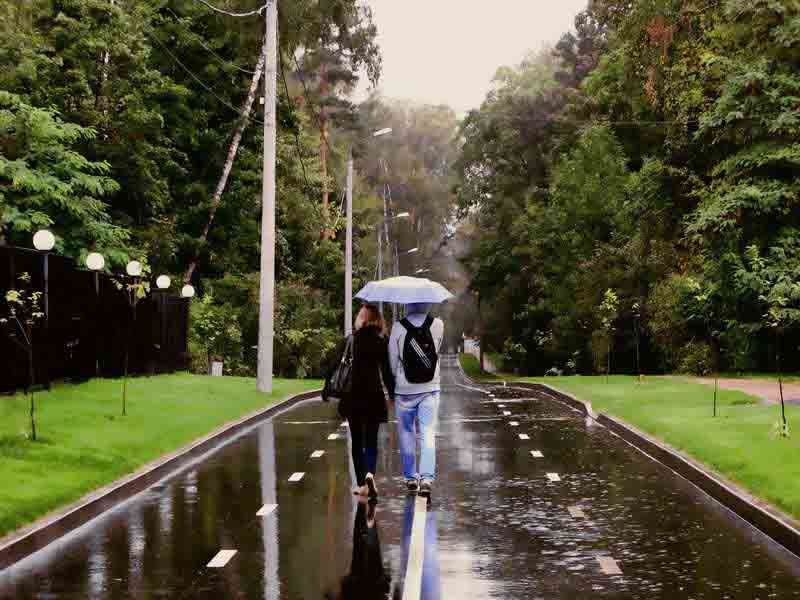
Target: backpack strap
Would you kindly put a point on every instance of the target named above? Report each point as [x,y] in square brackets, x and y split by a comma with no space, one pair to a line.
[410,326]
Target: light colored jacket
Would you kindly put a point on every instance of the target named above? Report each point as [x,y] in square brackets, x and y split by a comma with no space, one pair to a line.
[396,343]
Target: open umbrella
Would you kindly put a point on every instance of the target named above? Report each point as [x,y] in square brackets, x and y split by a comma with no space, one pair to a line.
[404,290]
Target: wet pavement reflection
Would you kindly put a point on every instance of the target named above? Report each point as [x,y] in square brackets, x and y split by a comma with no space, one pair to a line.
[497,526]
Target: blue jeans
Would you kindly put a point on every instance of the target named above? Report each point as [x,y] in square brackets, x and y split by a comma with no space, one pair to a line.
[417,419]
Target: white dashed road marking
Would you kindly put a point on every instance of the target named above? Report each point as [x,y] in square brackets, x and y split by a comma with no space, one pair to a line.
[221,559]
[524,436]
[266,510]
[608,565]
[577,512]
[296,477]
[333,436]
[317,453]
[506,413]
[514,423]
[412,589]
[537,454]
[553,477]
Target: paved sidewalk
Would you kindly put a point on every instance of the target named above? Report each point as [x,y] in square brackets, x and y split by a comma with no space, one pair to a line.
[765,389]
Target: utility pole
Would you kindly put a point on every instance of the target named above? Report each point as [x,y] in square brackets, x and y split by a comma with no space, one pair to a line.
[348,257]
[380,260]
[266,310]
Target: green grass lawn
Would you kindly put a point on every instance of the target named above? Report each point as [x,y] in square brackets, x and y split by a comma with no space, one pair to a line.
[738,443]
[472,368]
[84,443]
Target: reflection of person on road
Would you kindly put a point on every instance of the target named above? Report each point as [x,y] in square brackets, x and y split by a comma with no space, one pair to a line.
[365,409]
[414,354]
[367,579]
[431,584]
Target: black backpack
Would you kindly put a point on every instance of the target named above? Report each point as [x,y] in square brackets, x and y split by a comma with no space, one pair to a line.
[419,352]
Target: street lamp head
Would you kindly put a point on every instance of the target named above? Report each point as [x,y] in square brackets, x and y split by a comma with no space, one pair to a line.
[412,251]
[380,132]
[163,282]
[43,240]
[134,268]
[95,261]
[187,291]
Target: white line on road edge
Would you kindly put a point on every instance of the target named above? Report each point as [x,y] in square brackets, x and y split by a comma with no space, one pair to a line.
[333,436]
[608,565]
[266,510]
[553,477]
[577,512]
[524,436]
[514,423]
[221,559]
[317,453]
[412,588]
[296,477]
[536,454]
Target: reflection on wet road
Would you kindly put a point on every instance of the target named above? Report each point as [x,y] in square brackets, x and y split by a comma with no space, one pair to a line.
[551,516]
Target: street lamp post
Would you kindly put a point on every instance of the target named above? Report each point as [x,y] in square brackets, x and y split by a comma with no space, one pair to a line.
[95,263]
[163,282]
[348,260]
[44,241]
[384,233]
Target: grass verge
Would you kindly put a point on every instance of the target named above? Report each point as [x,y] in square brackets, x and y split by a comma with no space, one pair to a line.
[738,443]
[472,368]
[85,444]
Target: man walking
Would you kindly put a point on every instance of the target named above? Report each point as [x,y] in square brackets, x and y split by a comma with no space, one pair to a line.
[414,357]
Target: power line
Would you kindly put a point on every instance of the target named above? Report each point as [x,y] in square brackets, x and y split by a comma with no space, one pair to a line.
[233,14]
[199,40]
[197,79]
[296,133]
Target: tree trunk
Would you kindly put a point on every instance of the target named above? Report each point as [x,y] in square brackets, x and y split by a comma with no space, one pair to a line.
[608,367]
[226,171]
[323,152]
[638,360]
[30,391]
[780,388]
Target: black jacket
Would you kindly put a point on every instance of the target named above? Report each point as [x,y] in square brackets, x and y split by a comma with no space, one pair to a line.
[371,371]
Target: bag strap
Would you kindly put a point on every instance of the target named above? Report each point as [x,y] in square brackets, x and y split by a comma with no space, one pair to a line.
[348,349]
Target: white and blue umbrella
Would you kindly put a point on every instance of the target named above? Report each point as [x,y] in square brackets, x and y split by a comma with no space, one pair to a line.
[405,290]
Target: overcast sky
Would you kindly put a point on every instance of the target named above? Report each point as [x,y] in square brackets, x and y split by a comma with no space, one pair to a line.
[447,51]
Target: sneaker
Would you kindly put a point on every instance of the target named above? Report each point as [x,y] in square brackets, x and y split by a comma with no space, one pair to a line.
[412,485]
[425,488]
[373,489]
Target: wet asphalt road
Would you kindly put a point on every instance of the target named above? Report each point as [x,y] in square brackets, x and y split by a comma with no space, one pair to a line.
[497,526]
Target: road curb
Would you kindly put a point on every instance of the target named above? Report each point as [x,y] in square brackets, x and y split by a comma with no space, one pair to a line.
[47,530]
[757,513]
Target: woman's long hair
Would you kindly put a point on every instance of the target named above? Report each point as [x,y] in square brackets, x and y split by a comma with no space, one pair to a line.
[370,316]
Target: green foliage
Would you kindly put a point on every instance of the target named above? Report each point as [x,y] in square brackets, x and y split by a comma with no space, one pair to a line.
[669,172]
[45,181]
[695,359]
[215,329]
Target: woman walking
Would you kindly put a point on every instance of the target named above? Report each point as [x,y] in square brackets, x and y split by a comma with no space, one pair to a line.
[365,406]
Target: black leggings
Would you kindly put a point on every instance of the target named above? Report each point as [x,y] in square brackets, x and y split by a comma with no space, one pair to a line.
[364,439]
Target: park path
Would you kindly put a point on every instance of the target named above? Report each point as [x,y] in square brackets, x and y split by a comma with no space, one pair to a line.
[765,389]
[533,502]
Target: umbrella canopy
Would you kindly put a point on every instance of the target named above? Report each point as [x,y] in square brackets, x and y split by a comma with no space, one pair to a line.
[404,290]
